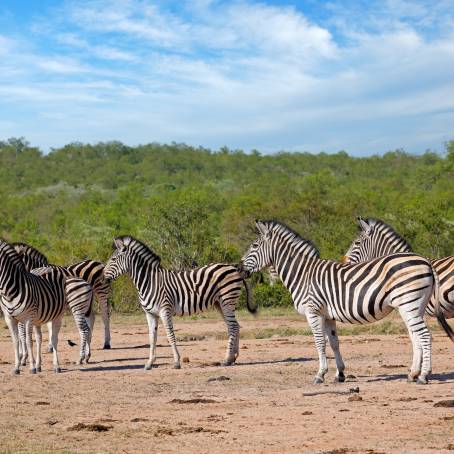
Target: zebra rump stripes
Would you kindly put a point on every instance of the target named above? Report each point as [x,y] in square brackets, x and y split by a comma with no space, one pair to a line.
[327,291]
[164,293]
[376,239]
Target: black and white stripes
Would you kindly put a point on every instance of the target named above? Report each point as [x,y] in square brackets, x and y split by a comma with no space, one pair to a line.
[164,293]
[377,239]
[37,297]
[327,291]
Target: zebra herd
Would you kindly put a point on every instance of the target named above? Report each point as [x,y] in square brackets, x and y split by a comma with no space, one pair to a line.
[379,273]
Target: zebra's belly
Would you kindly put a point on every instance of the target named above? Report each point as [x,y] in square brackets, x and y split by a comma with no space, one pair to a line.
[356,315]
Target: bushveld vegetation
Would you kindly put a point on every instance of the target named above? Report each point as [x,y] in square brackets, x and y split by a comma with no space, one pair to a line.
[194,206]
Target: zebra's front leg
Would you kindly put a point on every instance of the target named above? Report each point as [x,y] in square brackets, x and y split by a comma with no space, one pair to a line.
[152,320]
[39,338]
[55,329]
[49,345]
[29,342]
[331,332]
[22,344]
[166,318]
[13,328]
[317,324]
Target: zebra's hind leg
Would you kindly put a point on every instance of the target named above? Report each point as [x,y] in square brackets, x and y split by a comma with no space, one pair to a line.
[105,314]
[84,333]
[166,318]
[39,338]
[331,332]
[22,344]
[317,324]
[13,328]
[152,320]
[29,341]
[422,345]
[233,328]
[55,329]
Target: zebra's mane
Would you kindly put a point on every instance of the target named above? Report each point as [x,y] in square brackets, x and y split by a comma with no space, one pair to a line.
[6,249]
[24,249]
[139,248]
[295,238]
[386,228]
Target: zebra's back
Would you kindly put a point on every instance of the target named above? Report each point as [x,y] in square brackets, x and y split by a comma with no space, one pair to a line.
[195,290]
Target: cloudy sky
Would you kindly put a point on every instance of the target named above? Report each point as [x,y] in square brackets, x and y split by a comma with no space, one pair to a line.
[363,76]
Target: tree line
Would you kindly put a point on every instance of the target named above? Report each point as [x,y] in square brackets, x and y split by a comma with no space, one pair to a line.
[195,206]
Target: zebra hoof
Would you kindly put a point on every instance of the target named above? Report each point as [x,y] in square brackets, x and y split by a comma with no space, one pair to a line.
[318,380]
[339,378]
[422,381]
[106,346]
[227,363]
[33,371]
[38,369]
[16,372]
[177,366]
[148,366]
[411,379]
[57,370]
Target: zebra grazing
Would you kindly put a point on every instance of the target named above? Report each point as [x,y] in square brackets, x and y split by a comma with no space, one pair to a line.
[37,297]
[327,291]
[164,293]
[376,239]
[88,270]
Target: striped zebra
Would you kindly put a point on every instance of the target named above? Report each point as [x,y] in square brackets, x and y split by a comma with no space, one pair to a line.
[327,291]
[164,293]
[376,239]
[38,297]
[88,270]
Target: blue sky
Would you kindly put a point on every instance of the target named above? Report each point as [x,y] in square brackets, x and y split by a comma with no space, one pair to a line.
[363,76]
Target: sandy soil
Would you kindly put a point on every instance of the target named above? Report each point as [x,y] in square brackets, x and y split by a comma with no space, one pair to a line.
[113,405]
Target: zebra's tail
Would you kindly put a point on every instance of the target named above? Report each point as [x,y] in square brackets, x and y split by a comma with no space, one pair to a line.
[252,308]
[438,309]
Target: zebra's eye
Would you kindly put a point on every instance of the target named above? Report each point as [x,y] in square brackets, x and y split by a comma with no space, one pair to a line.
[255,245]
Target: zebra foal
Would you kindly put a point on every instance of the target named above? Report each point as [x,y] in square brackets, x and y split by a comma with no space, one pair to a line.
[164,293]
[35,298]
[376,239]
[327,291]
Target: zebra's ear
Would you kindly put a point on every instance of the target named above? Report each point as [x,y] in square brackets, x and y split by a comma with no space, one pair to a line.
[363,224]
[261,227]
[119,243]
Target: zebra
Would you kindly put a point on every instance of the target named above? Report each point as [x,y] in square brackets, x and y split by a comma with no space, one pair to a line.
[376,239]
[327,291]
[37,297]
[164,293]
[88,270]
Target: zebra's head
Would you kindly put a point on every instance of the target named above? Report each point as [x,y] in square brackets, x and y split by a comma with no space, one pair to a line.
[258,256]
[358,250]
[129,256]
[31,257]
[119,262]
[375,239]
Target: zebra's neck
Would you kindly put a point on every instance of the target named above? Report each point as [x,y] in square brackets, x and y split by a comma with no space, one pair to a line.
[12,275]
[287,256]
[144,274]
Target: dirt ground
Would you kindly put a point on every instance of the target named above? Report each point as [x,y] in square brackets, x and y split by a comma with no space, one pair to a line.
[264,405]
